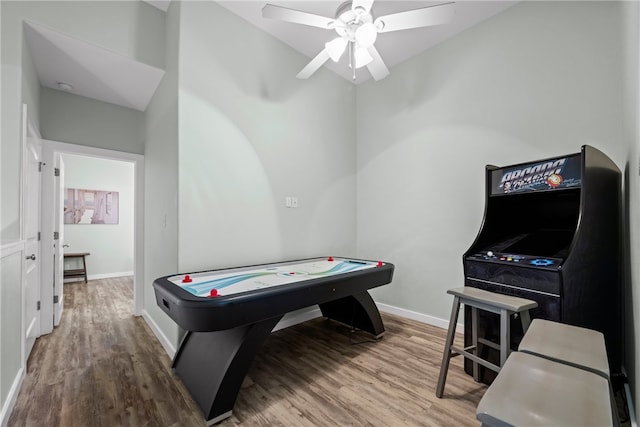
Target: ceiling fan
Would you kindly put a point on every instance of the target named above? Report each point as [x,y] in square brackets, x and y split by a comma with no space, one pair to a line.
[357,31]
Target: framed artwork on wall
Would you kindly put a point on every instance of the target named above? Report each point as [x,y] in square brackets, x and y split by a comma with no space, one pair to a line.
[90,206]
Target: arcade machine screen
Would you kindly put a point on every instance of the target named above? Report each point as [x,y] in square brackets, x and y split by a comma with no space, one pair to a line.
[543,243]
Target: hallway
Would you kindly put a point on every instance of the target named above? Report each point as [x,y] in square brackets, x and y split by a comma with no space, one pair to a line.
[101,367]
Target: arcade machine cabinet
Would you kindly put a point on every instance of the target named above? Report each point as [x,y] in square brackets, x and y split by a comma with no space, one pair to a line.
[551,233]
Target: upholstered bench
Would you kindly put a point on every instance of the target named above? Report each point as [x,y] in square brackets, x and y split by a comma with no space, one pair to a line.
[559,376]
[535,391]
[572,345]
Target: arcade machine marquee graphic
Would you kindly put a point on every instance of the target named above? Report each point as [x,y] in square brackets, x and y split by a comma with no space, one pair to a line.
[540,176]
[551,233]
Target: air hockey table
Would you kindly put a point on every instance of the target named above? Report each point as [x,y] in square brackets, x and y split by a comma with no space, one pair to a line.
[229,313]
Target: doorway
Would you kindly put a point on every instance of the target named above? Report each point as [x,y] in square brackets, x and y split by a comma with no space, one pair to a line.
[98,217]
[56,153]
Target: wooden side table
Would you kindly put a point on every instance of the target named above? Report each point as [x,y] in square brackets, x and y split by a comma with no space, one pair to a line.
[77,272]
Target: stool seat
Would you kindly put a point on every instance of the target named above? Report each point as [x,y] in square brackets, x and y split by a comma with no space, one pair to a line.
[534,391]
[478,299]
[514,304]
[568,344]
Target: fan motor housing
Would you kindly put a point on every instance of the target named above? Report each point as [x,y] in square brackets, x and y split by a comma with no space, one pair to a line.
[350,20]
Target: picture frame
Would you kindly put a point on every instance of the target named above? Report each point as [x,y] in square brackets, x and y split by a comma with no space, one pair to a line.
[82,206]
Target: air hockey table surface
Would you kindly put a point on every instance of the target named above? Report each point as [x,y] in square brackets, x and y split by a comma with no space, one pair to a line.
[226,298]
[228,282]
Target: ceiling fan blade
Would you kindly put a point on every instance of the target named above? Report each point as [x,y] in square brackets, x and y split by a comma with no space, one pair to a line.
[314,65]
[425,17]
[361,6]
[297,16]
[336,47]
[377,68]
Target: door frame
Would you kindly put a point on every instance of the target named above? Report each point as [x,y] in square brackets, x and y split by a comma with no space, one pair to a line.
[29,129]
[52,149]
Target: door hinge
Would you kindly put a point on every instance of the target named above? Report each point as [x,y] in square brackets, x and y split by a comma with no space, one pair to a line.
[55,299]
[38,305]
[39,236]
[56,235]
[40,164]
[56,172]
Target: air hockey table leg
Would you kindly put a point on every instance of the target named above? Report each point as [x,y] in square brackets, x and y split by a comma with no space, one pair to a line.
[357,310]
[212,365]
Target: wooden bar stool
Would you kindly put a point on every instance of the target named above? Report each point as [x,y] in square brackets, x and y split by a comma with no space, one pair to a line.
[479,299]
[77,272]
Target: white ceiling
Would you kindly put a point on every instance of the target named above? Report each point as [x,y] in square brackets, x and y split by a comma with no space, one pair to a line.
[92,71]
[394,47]
[98,73]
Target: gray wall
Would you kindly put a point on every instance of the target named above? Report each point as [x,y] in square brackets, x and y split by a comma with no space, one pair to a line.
[251,134]
[161,179]
[631,46]
[130,28]
[19,85]
[536,81]
[10,315]
[75,119]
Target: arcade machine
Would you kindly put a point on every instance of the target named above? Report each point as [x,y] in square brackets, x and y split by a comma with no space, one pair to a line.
[551,233]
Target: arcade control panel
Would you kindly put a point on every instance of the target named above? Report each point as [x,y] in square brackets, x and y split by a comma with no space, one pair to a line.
[548,263]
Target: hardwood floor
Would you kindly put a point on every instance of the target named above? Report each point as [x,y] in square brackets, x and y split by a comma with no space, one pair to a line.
[103,367]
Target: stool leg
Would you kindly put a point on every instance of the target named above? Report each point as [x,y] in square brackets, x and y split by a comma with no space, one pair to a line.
[446,356]
[505,336]
[525,318]
[474,341]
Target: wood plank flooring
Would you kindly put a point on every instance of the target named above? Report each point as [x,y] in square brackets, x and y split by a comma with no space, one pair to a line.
[103,367]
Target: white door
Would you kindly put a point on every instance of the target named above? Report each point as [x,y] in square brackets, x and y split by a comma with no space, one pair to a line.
[58,264]
[32,154]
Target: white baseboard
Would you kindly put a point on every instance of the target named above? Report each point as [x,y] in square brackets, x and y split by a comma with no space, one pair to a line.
[8,405]
[164,341]
[422,318]
[99,276]
[300,316]
[109,275]
[289,319]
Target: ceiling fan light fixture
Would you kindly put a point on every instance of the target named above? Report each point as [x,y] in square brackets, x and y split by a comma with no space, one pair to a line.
[362,57]
[335,48]
[366,34]
[356,28]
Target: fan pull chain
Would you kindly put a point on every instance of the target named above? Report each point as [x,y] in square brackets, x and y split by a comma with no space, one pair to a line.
[352,59]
